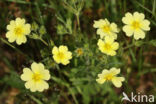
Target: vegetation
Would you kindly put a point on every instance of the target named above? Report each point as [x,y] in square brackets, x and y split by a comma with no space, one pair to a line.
[70,23]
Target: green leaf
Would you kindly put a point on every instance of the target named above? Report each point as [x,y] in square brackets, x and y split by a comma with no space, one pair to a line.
[61,30]
[34,26]
[139,43]
[34,36]
[13,80]
[59,81]
[42,30]
[153,42]
[69,25]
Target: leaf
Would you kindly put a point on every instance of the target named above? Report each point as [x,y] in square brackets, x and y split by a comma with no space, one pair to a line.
[61,30]
[44,52]
[42,30]
[153,42]
[34,36]
[143,7]
[59,81]
[69,25]
[34,26]
[139,43]
[14,80]
[69,8]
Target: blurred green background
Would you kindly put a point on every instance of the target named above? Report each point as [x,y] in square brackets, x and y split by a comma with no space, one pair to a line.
[70,22]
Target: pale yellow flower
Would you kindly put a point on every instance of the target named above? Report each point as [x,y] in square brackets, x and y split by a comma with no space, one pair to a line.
[105,28]
[108,46]
[36,77]
[110,75]
[17,31]
[136,25]
[61,54]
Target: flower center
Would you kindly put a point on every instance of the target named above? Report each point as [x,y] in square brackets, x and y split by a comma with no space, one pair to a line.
[136,25]
[107,46]
[36,77]
[60,55]
[108,77]
[106,28]
[18,31]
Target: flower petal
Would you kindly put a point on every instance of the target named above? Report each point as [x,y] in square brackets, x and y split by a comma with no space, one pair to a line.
[31,85]
[46,74]
[35,68]
[65,62]
[99,23]
[41,66]
[115,46]
[104,72]
[11,26]
[20,21]
[11,37]
[55,50]
[112,53]
[117,81]
[139,34]
[63,48]
[109,40]
[145,25]
[100,42]
[68,55]
[27,29]
[112,35]
[101,33]
[115,71]
[114,27]
[27,74]
[100,80]
[128,30]
[138,16]
[41,85]
[58,60]
[21,39]
[127,19]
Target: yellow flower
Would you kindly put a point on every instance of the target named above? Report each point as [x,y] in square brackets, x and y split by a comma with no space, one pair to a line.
[79,51]
[110,75]
[108,46]
[135,24]
[17,31]
[36,78]
[61,54]
[105,28]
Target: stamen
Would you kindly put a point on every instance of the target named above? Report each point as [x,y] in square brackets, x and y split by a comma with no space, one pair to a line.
[136,25]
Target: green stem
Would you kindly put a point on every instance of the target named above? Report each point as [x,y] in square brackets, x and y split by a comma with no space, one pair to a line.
[129,46]
[78,21]
[35,99]
[44,41]
[74,97]
[6,42]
